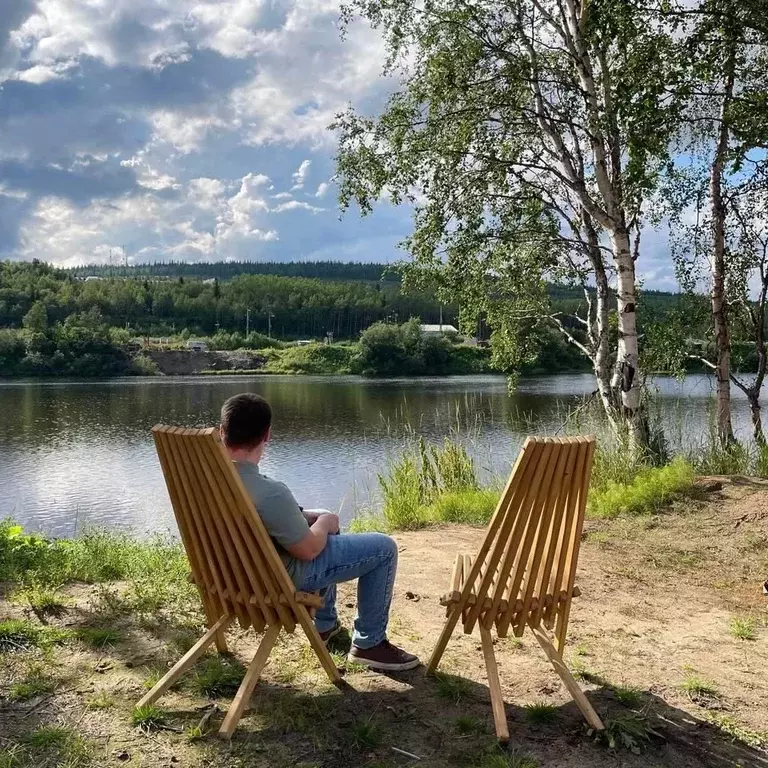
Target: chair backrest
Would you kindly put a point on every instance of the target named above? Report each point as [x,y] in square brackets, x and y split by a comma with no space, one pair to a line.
[524,573]
[234,563]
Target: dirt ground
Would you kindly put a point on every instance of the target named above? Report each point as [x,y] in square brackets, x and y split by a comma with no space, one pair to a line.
[659,596]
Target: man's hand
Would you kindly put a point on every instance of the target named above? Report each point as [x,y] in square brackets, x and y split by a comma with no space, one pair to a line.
[329,521]
[325,525]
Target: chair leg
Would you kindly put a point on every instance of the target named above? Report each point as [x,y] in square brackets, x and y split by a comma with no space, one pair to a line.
[186,661]
[494,685]
[245,691]
[318,646]
[582,702]
[445,636]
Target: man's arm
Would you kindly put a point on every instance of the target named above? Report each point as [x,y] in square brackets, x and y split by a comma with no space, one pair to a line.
[316,539]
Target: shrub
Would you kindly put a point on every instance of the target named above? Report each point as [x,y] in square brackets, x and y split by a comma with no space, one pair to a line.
[311,359]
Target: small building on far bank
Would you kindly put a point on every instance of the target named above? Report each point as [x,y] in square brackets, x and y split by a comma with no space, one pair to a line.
[438,330]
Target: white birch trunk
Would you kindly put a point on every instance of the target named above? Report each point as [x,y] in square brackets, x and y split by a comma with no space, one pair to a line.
[626,375]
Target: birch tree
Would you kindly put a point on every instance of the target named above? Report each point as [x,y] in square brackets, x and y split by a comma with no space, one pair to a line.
[723,139]
[531,129]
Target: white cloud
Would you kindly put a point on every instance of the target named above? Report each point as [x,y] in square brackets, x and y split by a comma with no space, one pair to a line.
[301,175]
[322,189]
[296,205]
[205,220]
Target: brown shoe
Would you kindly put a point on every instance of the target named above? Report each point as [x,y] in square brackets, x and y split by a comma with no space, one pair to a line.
[329,634]
[384,656]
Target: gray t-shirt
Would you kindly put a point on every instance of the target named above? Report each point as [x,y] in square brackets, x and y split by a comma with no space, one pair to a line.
[280,513]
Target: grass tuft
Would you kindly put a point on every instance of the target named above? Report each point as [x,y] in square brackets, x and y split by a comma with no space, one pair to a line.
[467,725]
[498,759]
[743,629]
[217,676]
[100,701]
[697,687]
[540,713]
[366,735]
[451,687]
[628,695]
[148,718]
[98,638]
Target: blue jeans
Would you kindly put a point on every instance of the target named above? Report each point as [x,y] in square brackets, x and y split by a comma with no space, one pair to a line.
[371,558]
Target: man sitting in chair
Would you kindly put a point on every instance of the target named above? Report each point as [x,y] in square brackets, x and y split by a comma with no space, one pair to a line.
[316,558]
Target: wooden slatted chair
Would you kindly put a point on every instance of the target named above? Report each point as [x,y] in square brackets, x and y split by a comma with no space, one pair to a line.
[233,561]
[524,574]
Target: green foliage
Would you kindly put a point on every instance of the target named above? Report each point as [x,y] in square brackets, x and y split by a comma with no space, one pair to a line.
[472,507]
[540,713]
[421,477]
[696,686]
[401,350]
[366,735]
[628,695]
[54,745]
[156,571]
[647,492]
[217,676]
[498,759]
[467,725]
[311,359]
[632,732]
[743,629]
[451,687]
[737,732]
[98,637]
[148,717]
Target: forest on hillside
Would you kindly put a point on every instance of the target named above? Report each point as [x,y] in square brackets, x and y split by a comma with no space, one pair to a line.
[58,322]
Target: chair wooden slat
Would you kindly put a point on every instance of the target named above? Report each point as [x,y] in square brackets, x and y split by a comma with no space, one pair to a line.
[233,561]
[524,574]
[236,554]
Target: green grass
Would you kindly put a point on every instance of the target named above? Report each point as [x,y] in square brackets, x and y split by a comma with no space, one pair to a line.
[43,600]
[451,687]
[148,718]
[540,713]
[737,732]
[366,735]
[743,629]
[30,687]
[100,701]
[698,687]
[22,634]
[467,725]
[54,746]
[156,571]
[498,759]
[647,492]
[628,695]
[98,637]
[472,506]
[216,676]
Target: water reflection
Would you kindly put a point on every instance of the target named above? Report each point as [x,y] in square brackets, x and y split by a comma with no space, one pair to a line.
[79,453]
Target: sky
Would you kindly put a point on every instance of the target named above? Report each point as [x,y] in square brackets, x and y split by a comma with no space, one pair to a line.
[182,129]
[151,130]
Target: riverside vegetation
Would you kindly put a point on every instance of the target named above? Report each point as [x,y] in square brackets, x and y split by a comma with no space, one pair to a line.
[87,623]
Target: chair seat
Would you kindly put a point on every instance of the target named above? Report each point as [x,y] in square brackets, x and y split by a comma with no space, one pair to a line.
[461,569]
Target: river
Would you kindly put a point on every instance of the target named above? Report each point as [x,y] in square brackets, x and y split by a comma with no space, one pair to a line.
[79,454]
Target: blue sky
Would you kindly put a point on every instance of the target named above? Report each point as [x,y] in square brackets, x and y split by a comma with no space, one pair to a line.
[188,129]
[184,129]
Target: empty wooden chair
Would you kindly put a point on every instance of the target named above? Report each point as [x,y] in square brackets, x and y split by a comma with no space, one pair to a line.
[234,563]
[524,573]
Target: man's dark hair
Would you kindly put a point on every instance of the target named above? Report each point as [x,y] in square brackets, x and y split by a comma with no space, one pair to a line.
[245,420]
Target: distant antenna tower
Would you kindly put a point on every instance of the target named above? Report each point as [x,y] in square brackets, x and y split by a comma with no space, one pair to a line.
[125,256]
